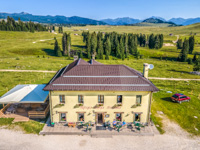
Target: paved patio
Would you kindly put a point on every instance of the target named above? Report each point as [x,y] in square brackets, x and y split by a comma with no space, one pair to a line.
[60,129]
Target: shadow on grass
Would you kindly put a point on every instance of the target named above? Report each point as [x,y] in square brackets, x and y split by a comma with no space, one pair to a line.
[79,46]
[179,71]
[166,58]
[49,52]
[168,99]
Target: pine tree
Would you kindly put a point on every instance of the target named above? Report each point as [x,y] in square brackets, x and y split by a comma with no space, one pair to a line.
[184,51]
[118,52]
[64,44]
[57,49]
[157,42]
[197,64]
[59,53]
[88,46]
[152,41]
[126,45]
[68,43]
[121,47]
[100,49]
[93,43]
[179,44]
[191,44]
[107,47]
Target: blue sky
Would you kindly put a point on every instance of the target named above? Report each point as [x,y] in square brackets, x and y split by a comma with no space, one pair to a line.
[101,9]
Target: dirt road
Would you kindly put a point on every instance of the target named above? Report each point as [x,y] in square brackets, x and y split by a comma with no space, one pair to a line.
[46,71]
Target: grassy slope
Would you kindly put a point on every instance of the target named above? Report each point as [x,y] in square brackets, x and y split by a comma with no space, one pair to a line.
[17,51]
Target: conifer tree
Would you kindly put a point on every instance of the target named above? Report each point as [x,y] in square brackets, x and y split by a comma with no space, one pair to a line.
[157,42]
[57,49]
[184,51]
[107,47]
[93,43]
[179,44]
[191,44]
[121,47]
[100,49]
[197,64]
[64,44]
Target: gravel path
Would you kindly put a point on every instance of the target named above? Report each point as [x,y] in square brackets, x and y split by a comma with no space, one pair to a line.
[174,139]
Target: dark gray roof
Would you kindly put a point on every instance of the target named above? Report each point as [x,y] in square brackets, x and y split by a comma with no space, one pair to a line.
[94,76]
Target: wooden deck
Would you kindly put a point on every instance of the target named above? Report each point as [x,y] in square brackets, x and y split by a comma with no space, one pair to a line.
[24,116]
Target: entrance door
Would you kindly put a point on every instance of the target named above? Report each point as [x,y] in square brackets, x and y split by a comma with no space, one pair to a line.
[100,118]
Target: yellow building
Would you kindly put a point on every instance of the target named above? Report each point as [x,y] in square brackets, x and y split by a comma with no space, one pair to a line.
[91,91]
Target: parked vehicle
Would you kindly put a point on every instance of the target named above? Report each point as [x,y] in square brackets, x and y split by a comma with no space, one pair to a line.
[178,97]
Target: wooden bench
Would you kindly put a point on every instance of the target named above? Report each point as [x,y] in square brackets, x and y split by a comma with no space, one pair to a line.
[72,124]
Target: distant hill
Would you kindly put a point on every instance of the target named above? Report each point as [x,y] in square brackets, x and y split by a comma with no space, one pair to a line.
[183,21]
[51,19]
[121,21]
[157,21]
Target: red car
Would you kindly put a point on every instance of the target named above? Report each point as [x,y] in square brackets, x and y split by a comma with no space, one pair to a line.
[180,98]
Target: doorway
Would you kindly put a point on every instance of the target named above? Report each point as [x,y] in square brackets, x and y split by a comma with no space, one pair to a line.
[100,118]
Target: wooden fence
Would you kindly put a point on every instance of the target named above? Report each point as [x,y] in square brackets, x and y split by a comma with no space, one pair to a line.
[39,114]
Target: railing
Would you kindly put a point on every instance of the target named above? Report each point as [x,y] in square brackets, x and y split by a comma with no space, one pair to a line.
[2,111]
[39,114]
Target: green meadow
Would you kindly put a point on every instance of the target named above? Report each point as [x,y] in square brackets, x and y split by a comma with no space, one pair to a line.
[34,51]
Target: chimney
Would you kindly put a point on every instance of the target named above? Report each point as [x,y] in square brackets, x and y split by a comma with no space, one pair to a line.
[93,56]
[146,70]
[75,57]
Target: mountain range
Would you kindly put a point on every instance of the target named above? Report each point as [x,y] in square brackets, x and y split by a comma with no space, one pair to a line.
[51,19]
[80,20]
[127,20]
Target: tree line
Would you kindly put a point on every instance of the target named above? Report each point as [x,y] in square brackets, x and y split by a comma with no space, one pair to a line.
[12,25]
[119,45]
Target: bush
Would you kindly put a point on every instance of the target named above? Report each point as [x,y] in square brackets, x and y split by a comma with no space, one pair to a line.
[17,58]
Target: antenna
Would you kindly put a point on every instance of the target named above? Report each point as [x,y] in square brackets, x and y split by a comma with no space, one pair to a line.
[151,66]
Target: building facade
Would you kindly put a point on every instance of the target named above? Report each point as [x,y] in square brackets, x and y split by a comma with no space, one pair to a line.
[91,91]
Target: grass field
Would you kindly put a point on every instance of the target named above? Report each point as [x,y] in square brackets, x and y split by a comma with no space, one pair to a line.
[34,51]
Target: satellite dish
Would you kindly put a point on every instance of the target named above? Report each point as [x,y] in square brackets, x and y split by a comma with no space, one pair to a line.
[151,66]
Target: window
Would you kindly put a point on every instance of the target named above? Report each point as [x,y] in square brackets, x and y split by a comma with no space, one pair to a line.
[138,99]
[119,98]
[183,97]
[118,117]
[62,117]
[62,99]
[80,116]
[137,117]
[100,98]
[80,99]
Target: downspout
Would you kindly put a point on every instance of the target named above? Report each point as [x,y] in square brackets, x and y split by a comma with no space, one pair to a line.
[149,116]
